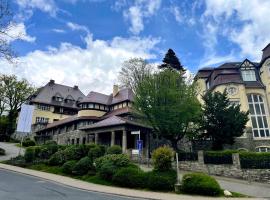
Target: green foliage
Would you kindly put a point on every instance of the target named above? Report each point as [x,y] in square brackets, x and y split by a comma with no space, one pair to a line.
[17,161]
[162,158]
[82,166]
[29,155]
[217,110]
[164,181]
[68,166]
[75,152]
[170,61]
[2,152]
[169,105]
[28,143]
[115,149]
[219,157]
[131,177]
[201,184]
[255,160]
[57,159]
[95,152]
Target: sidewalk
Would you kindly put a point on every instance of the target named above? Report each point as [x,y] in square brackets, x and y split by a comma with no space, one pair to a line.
[253,189]
[104,189]
[11,150]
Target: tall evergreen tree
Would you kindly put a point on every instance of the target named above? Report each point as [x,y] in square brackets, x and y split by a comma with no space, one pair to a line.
[171,61]
[221,121]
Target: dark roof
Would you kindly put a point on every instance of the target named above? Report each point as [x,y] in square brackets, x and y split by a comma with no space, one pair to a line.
[46,93]
[120,111]
[266,53]
[125,94]
[113,121]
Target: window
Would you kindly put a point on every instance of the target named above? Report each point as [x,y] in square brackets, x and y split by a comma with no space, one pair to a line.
[43,107]
[234,102]
[248,75]
[59,99]
[90,105]
[258,116]
[263,149]
[42,120]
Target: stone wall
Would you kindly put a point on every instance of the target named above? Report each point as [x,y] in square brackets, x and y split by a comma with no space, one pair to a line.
[234,170]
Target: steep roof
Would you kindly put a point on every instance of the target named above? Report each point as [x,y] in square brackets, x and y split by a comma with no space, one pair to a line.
[266,53]
[46,93]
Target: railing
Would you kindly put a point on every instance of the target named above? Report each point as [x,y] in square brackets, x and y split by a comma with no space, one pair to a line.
[187,156]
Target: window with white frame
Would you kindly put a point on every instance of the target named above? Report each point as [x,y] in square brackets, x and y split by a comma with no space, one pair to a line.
[42,120]
[258,116]
[263,149]
[248,75]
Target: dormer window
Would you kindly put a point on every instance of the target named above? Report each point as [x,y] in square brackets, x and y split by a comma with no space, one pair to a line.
[248,71]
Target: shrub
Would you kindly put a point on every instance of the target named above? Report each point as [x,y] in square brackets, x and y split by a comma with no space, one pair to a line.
[50,142]
[37,151]
[28,143]
[82,166]
[69,166]
[62,147]
[95,152]
[45,153]
[219,157]
[107,170]
[52,147]
[2,152]
[114,150]
[162,158]
[29,155]
[199,183]
[129,177]
[255,160]
[57,158]
[17,161]
[157,180]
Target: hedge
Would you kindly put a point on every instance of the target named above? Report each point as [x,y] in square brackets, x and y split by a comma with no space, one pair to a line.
[82,166]
[115,149]
[187,156]
[219,157]
[201,184]
[28,143]
[162,181]
[252,160]
[68,166]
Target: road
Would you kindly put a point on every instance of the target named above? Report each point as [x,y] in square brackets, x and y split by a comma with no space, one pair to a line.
[15,186]
[11,150]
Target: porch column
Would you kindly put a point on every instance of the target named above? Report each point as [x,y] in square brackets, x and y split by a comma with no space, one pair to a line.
[124,141]
[112,138]
[96,138]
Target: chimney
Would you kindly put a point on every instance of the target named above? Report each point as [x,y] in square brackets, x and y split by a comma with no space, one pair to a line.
[51,82]
[115,90]
[75,87]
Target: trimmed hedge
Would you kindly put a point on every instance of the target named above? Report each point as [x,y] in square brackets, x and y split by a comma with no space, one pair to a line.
[57,158]
[82,166]
[115,149]
[75,152]
[252,160]
[68,166]
[187,156]
[28,143]
[219,157]
[201,184]
[95,152]
[2,152]
[162,158]
[161,180]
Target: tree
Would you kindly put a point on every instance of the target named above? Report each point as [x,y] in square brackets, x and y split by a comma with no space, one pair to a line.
[5,26]
[169,105]
[15,93]
[134,71]
[221,121]
[170,61]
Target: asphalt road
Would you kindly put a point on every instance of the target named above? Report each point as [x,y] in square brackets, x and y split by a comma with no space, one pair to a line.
[15,186]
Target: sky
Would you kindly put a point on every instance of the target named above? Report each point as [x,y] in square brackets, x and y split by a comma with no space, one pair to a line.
[85,42]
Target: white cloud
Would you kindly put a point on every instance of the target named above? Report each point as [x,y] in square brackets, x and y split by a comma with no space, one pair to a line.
[253,31]
[92,68]
[56,30]
[77,27]
[138,12]
[17,31]
[176,12]
[48,6]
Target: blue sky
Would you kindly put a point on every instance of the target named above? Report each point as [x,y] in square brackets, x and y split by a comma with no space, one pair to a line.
[84,42]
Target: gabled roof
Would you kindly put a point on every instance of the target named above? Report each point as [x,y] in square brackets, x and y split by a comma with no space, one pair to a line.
[266,53]
[125,94]
[46,93]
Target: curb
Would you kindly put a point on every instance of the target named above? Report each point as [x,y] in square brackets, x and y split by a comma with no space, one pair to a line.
[107,190]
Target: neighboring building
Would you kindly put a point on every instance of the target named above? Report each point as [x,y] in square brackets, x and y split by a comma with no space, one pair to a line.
[248,84]
[103,119]
[54,102]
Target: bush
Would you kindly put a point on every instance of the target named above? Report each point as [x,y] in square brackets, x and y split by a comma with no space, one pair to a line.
[252,160]
[219,157]
[28,143]
[82,166]
[199,183]
[50,142]
[114,150]
[162,158]
[17,161]
[37,151]
[157,180]
[44,153]
[29,155]
[107,170]
[75,152]
[69,166]
[57,158]
[95,152]
[131,177]
[2,152]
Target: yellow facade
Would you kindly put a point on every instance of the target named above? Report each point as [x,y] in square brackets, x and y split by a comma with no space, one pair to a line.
[95,113]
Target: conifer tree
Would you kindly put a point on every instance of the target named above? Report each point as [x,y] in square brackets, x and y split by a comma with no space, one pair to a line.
[170,61]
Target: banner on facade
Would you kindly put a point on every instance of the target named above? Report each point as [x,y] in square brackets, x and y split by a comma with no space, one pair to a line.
[25,119]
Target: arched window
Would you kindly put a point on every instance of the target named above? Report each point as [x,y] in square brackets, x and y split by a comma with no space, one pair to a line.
[263,149]
[258,115]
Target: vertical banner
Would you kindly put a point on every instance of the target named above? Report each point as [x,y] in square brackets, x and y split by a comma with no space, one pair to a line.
[25,119]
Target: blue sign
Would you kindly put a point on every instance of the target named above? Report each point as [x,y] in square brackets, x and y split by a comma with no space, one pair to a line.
[139,145]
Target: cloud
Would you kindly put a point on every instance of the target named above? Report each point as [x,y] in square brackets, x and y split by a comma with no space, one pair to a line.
[77,27]
[176,12]
[94,67]
[138,12]
[56,30]
[243,22]
[17,32]
[48,6]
